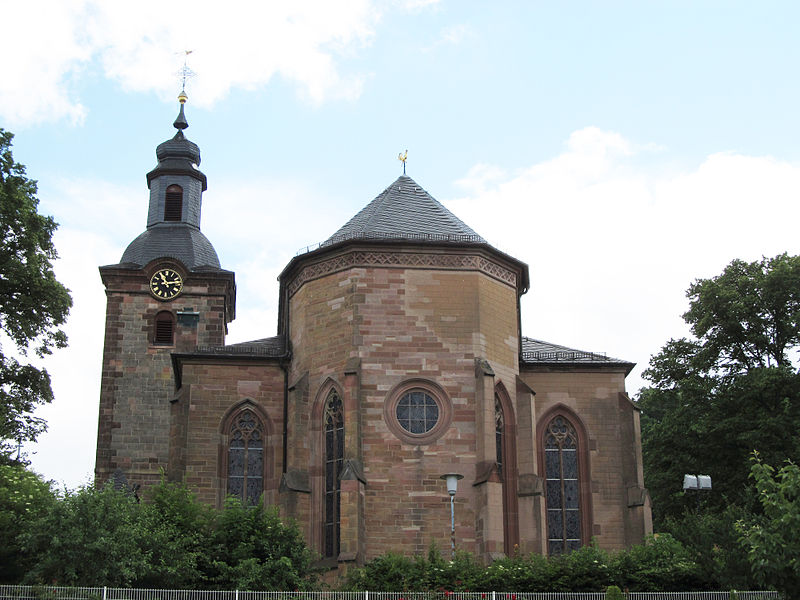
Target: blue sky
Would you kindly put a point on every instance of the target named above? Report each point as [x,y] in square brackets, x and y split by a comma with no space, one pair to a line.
[621,149]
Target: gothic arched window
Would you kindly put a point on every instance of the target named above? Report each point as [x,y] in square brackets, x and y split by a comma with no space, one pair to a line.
[173,203]
[334,460]
[499,432]
[246,456]
[562,473]
[505,452]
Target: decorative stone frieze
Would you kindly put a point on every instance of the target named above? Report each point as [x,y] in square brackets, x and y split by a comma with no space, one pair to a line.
[358,258]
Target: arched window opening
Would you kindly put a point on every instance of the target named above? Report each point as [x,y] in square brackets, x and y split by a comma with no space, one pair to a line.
[173,203]
[246,457]
[334,460]
[505,452]
[562,486]
[499,432]
[164,329]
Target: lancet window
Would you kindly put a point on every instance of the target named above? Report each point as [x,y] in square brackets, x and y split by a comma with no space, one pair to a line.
[561,451]
[246,457]
[334,460]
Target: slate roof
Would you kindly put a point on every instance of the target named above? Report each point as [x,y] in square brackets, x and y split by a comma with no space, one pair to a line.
[271,346]
[405,211]
[178,240]
[540,352]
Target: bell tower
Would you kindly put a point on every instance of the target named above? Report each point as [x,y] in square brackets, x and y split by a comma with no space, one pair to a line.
[167,295]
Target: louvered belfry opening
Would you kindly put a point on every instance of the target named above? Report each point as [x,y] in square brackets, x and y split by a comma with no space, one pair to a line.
[164,334]
[173,203]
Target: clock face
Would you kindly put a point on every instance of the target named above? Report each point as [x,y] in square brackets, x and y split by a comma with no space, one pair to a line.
[165,284]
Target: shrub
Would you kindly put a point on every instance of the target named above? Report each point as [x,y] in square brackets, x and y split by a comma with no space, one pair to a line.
[252,549]
[24,497]
[614,593]
[661,565]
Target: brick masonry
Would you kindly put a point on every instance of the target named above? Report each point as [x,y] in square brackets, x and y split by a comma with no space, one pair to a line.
[366,329]
[137,382]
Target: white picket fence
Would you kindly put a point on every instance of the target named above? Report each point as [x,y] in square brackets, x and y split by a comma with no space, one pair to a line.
[20,592]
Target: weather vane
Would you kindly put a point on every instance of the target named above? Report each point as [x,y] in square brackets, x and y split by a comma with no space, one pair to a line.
[185,73]
[403,157]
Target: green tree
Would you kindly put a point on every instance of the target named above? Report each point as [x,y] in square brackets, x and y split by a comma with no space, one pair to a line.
[24,498]
[33,304]
[175,532]
[730,390]
[90,537]
[772,540]
[252,549]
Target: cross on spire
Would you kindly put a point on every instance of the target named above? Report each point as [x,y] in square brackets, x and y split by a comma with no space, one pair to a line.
[184,74]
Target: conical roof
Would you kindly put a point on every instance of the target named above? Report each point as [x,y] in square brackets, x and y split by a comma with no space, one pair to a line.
[405,211]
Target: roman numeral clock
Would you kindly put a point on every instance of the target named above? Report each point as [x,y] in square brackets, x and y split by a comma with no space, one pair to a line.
[166,284]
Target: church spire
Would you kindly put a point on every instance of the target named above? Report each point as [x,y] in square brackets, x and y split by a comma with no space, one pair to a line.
[176,195]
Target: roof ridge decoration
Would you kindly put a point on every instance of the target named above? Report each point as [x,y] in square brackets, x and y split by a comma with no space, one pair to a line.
[405,211]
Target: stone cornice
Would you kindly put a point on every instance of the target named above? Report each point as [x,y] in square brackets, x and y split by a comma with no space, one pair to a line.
[451,261]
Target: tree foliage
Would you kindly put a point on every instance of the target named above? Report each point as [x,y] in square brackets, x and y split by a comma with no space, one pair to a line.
[24,498]
[773,542]
[33,304]
[749,316]
[727,392]
[105,537]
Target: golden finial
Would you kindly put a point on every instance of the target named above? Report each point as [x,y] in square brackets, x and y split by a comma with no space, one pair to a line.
[403,157]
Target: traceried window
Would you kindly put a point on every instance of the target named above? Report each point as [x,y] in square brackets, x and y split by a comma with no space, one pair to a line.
[164,329]
[334,460]
[173,203]
[562,486]
[246,457]
[417,412]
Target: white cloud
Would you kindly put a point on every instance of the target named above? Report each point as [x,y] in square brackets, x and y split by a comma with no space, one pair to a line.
[416,5]
[43,48]
[612,244]
[242,44]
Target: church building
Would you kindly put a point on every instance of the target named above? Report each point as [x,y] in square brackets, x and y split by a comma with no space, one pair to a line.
[398,359]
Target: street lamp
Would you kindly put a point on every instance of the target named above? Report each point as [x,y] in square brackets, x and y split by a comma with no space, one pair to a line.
[452,486]
[697,483]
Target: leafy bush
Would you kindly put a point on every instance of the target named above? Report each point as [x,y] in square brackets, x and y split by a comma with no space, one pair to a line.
[252,549]
[716,546]
[24,496]
[104,537]
[89,538]
[534,573]
[614,593]
[663,564]
[772,541]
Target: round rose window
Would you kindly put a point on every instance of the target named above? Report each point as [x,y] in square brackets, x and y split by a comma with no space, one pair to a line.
[417,412]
